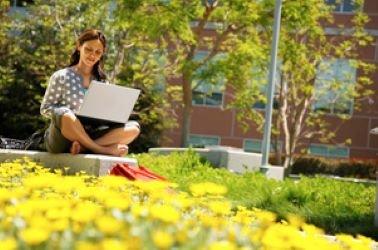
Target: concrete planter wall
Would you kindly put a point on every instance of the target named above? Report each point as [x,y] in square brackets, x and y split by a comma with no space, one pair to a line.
[92,164]
[234,159]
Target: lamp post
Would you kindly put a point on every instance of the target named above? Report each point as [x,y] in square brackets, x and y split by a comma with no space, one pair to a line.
[270,91]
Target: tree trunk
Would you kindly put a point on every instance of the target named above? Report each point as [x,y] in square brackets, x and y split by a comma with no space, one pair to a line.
[287,161]
[187,110]
[285,122]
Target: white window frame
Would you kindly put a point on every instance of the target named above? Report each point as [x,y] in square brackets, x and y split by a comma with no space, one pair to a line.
[328,76]
[13,4]
[205,85]
[342,7]
[261,142]
[264,88]
[328,148]
[205,136]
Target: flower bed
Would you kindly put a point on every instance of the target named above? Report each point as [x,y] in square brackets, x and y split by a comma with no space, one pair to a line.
[42,210]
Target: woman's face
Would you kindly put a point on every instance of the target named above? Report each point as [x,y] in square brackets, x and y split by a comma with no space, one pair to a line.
[91,52]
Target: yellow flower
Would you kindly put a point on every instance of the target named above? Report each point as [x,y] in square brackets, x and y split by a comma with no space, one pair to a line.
[165,213]
[183,202]
[154,187]
[59,225]
[111,244]
[162,239]
[364,240]
[86,245]
[182,236]
[115,182]
[280,236]
[295,220]
[222,245]
[59,213]
[86,212]
[201,189]
[68,184]
[38,221]
[117,202]
[34,236]
[220,207]
[362,243]
[243,216]
[108,225]
[138,210]
[8,244]
[311,229]
[5,195]
[77,227]
[265,217]
[41,181]
[212,222]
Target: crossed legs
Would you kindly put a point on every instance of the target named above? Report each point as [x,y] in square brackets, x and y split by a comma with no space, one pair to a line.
[113,143]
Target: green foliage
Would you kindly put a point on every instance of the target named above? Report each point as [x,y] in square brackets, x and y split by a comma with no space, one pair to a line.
[330,204]
[344,168]
[228,28]
[303,46]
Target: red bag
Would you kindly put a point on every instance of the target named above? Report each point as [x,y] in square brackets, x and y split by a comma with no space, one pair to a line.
[135,173]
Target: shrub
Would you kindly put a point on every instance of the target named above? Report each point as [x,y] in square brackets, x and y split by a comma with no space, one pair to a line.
[356,168]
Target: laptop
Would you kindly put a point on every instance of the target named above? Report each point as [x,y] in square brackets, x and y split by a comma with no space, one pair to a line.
[108,103]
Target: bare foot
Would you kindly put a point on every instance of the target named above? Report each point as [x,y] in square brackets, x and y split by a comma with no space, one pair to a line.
[117,149]
[125,149]
[75,148]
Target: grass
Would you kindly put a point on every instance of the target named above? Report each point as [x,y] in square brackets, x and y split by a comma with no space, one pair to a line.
[335,206]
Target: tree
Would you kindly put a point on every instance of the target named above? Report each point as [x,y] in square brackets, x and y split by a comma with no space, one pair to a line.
[43,43]
[185,28]
[307,86]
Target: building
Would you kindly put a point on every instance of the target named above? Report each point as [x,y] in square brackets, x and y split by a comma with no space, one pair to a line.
[213,125]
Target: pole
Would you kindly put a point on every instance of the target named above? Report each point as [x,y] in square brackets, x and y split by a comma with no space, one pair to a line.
[270,91]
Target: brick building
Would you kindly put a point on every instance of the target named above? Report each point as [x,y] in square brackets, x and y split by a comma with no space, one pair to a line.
[211,124]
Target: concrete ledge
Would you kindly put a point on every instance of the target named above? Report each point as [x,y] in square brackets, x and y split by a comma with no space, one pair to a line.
[234,159]
[90,163]
[274,172]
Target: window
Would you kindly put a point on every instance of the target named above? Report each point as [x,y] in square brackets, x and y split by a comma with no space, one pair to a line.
[20,3]
[161,61]
[17,7]
[201,141]
[207,88]
[334,86]
[255,145]
[262,79]
[343,6]
[328,151]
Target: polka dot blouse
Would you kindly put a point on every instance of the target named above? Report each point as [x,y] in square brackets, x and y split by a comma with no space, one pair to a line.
[64,91]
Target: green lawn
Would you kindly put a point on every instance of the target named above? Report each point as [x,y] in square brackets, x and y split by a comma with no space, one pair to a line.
[333,205]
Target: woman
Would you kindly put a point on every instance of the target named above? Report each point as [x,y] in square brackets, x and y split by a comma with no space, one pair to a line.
[64,96]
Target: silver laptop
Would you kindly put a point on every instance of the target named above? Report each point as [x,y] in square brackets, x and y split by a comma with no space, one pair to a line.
[108,102]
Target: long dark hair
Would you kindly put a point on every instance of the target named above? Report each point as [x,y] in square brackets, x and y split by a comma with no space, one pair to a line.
[88,35]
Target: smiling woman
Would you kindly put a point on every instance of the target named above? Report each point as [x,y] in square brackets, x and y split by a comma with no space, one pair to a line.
[64,96]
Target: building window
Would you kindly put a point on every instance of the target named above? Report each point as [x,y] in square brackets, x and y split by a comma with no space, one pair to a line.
[255,145]
[334,87]
[328,151]
[342,6]
[161,61]
[200,141]
[20,3]
[207,89]
[262,80]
